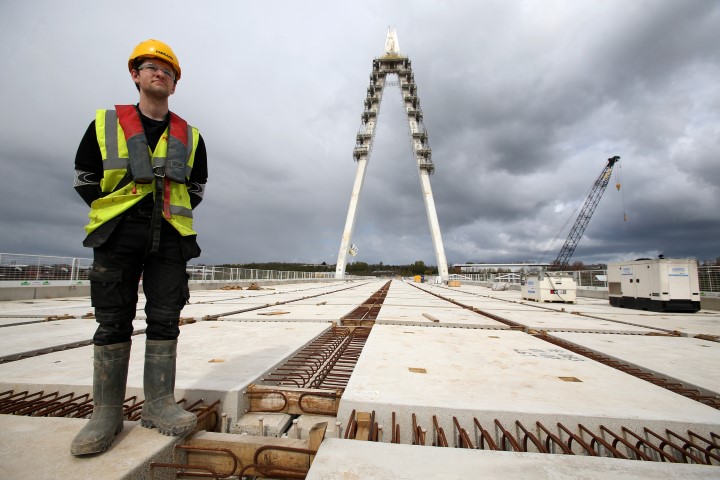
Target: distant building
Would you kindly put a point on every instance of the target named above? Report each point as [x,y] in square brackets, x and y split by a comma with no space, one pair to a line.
[485,267]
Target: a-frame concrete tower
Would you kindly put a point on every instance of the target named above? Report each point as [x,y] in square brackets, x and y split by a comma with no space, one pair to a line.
[392,62]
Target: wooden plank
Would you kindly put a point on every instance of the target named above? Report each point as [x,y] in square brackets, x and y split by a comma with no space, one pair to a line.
[363,426]
[315,438]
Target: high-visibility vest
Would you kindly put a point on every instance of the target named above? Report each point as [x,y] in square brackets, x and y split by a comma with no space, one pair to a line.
[120,134]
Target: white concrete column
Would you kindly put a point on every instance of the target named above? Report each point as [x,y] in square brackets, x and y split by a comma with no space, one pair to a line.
[351,216]
[434,224]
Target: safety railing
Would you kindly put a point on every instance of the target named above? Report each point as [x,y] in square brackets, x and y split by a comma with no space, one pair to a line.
[208,273]
[18,270]
[709,278]
[33,270]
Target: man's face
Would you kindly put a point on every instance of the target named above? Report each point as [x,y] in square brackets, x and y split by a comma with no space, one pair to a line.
[155,77]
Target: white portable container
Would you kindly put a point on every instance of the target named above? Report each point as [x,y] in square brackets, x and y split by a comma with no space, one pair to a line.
[663,284]
[549,287]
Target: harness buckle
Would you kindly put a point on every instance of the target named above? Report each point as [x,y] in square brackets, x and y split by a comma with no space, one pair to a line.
[159,172]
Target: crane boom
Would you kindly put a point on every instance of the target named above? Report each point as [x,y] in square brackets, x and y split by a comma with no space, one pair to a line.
[576,233]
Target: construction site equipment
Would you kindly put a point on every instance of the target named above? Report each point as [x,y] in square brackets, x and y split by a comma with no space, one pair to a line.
[549,287]
[586,212]
[392,62]
[663,284]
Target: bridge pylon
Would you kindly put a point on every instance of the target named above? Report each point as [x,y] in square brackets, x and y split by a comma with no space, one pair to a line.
[393,63]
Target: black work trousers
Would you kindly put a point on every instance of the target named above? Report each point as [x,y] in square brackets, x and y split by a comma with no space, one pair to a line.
[119,265]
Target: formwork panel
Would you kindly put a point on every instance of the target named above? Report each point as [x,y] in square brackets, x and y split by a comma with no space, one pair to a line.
[347,459]
[505,375]
[691,361]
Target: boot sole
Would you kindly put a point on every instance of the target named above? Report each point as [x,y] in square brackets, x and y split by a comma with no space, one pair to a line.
[172,430]
[95,447]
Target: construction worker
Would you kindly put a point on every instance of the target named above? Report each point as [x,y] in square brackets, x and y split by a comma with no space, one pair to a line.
[142,170]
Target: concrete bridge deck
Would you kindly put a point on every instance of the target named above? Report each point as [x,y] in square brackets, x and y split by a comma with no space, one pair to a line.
[435,354]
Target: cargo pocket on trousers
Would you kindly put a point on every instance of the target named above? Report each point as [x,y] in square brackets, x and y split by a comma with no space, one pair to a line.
[105,288]
[185,292]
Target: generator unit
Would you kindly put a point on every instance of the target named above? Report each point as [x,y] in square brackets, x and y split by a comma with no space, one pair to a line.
[660,285]
[549,287]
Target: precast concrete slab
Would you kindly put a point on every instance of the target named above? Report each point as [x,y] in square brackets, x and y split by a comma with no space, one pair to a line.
[537,317]
[339,459]
[28,338]
[216,361]
[33,448]
[507,376]
[704,322]
[402,294]
[444,316]
[351,297]
[567,322]
[283,292]
[14,321]
[235,304]
[42,308]
[690,361]
[292,312]
[220,310]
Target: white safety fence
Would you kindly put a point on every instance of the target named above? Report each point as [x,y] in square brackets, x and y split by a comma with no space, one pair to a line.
[709,278]
[17,270]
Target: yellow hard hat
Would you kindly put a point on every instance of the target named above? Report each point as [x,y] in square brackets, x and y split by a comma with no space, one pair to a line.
[155,49]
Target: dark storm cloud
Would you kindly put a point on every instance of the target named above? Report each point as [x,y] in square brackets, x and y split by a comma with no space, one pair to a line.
[524,102]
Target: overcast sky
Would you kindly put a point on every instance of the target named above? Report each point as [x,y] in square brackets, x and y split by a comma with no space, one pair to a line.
[523,101]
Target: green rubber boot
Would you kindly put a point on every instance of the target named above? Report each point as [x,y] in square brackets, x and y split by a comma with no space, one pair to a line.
[160,409]
[110,375]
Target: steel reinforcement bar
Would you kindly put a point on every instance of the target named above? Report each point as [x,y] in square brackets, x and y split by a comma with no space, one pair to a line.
[326,363]
[623,443]
[72,405]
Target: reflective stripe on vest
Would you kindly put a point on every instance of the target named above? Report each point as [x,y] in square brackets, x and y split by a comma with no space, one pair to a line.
[117,142]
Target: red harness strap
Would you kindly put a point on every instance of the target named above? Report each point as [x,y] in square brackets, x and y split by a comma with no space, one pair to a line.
[166,198]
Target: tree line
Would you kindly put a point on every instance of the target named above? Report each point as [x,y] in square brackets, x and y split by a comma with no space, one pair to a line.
[352,268]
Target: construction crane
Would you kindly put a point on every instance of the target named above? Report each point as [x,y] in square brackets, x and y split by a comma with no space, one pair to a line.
[576,233]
